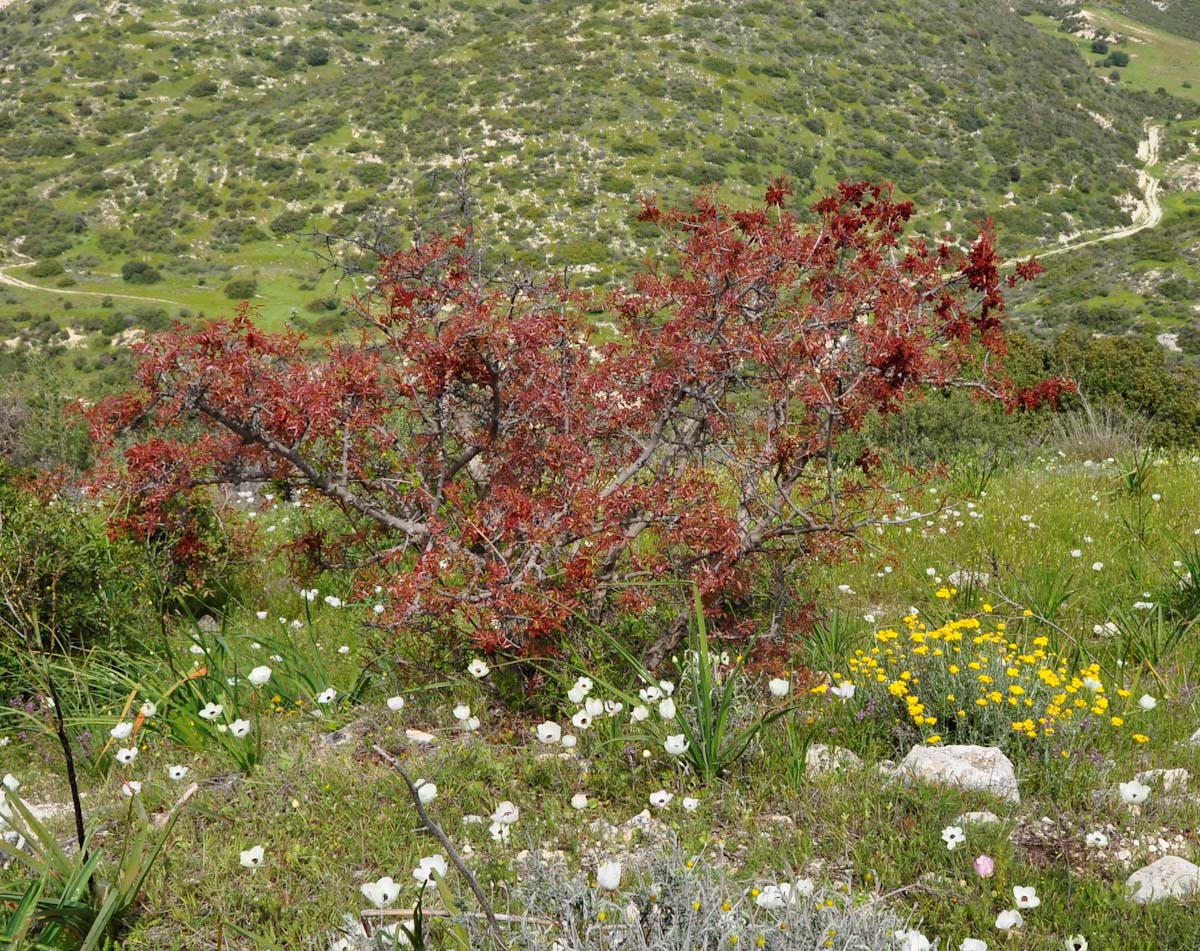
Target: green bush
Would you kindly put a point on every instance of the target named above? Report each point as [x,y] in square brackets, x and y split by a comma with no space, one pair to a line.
[242,288]
[139,272]
[50,268]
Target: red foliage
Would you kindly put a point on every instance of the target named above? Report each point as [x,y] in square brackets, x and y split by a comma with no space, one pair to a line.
[506,466]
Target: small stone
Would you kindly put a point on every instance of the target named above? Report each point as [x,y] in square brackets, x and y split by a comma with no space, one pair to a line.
[976,768]
[1169,877]
[1169,780]
[984,818]
[1195,740]
[821,759]
[420,736]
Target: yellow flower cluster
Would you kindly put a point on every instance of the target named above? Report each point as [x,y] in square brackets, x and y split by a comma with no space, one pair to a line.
[963,682]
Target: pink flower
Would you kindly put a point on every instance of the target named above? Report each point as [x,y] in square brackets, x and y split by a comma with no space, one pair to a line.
[985,865]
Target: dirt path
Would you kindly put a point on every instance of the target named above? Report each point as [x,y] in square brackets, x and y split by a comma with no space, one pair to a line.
[6,278]
[1149,212]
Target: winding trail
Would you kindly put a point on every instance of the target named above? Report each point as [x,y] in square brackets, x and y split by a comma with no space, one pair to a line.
[6,278]
[1147,215]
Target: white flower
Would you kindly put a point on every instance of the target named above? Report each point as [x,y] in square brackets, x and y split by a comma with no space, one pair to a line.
[395,704]
[576,694]
[676,744]
[953,836]
[1076,942]
[240,728]
[332,601]
[638,714]
[613,707]
[130,788]
[608,875]
[506,813]
[585,684]
[1076,553]
[344,649]
[1134,792]
[429,866]
[668,688]
[177,772]
[211,711]
[196,649]
[1097,839]
[650,694]
[1026,897]
[579,801]
[972,944]
[127,755]
[581,720]
[478,668]
[770,896]
[549,732]
[661,799]
[666,709]
[378,608]
[1097,566]
[148,709]
[568,741]
[1147,702]
[779,687]
[911,940]
[327,696]
[690,803]
[121,731]
[594,706]
[1007,920]
[252,857]
[309,594]
[261,615]
[469,724]
[9,782]
[426,791]
[259,676]
[381,893]
[462,712]
[1092,684]
[844,690]
[499,832]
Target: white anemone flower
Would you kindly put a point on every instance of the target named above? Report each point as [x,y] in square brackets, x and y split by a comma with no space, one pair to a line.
[130,788]
[240,728]
[638,714]
[211,711]
[613,707]
[148,709]
[1134,792]
[676,744]
[1076,942]
[10,782]
[953,836]
[1009,919]
[650,694]
[121,731]
[259,676]
[843,691]
[462,712]
[395,704]
[972,944]
[177,772]
[911,940]
[478,668]
[1147,702]
[569,740]
[594,706]
[579,801]
[608,875]
[690,803]
[549,732]
[576,694]
[381,893]
[499,832]
[779,687]
[661,799]
[252,857]
[426,791]
[666,709]
[506,813]
[666,687]
[581,720]
[771,896]
[1026,897]
[127,755]
[430,866]
[327,696]
[1097,839]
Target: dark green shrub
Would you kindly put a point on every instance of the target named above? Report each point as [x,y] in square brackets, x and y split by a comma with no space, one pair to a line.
[139,272]
[242,288]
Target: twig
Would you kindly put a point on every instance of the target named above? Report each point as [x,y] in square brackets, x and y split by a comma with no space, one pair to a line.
[436,830]
[443,913]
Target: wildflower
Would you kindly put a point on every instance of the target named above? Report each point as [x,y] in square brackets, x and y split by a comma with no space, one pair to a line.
[771,897]
[252,857]
[953,836]
[499,832]
[9,782]
[594,706]
[1134,792]
[1076,942]
[429,866]
[608,875]
[382,892]
[1007,920]
[130,788]
[581,720]
[1097,566]
[650,694]
[1026,897]
[583,686]
[259,676]
[668,688]
[177,772]
[506,813]
[779,687]
[666,709]
[613,707]
[261,615]
[211,711]
[549,732]
[344,649]
[148,709]
[1097,839]
[985,866]
[843,691]
[395,704]
[240,728]
[478,668]
[639,713]
[332,601]
[579,801]
[121,731]
[911,940]
[127,756]
[1092,684]
[661,799]
[462,712]
[972,944]
[1147,702]
[690,803]
[426,791]
[327,695]
[1140,738]
[676,744]
[568,741]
